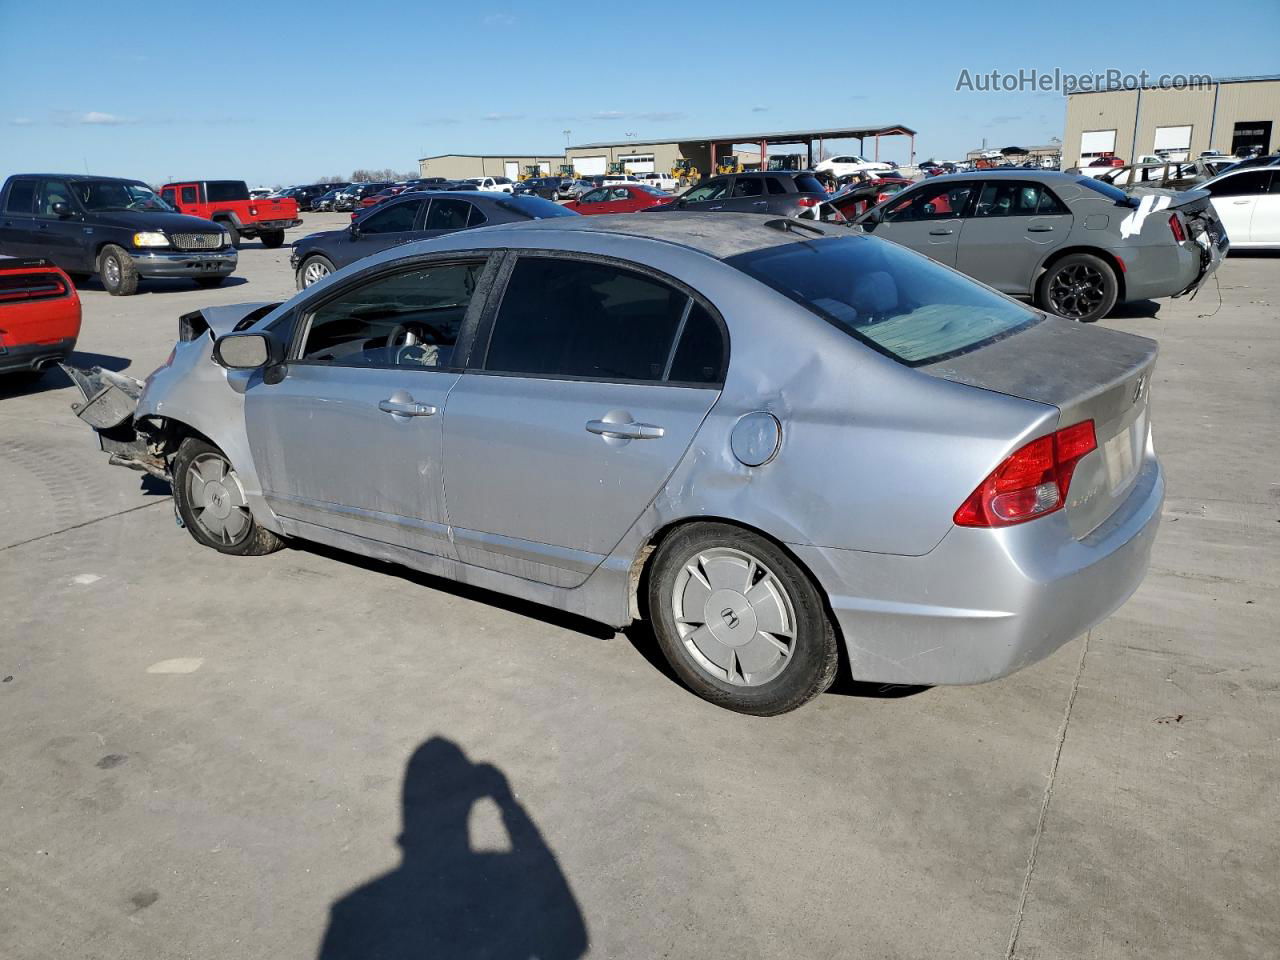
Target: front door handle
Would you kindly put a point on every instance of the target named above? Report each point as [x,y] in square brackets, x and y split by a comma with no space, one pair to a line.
[1240,203]
[1039,229]
[940,233]
[407,408]
[625,431]
[715,208]
[761,203]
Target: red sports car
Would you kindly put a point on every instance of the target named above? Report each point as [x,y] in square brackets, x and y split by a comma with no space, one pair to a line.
[39,316]
[862,197]
[620,198]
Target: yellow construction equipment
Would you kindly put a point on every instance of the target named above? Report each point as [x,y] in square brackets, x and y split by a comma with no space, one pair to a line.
[728,164]
[685,173]
[532,170]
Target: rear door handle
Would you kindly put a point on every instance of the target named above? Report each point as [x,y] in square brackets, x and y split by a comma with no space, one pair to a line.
[407,408]
[940,233]
[1040,229]
[761,203]
[625,431]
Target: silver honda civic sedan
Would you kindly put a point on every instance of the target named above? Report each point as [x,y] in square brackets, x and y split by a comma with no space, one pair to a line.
[785,445]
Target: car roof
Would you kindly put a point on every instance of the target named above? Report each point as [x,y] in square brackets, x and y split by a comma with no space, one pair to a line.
[81,176]
[1019,173]
[718,235]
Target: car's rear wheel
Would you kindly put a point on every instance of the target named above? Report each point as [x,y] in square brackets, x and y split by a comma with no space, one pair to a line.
[119,275]
[1079,287]
[314,269]
[739,621]
[212,504]
[271,238]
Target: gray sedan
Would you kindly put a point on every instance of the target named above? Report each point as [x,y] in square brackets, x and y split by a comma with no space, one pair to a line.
[1075,245]
[784,444]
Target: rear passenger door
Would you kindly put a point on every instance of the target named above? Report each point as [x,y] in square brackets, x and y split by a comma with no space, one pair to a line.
[1235,198]
[587,384]
[393,224]
[747,196]
[1011,229]
[447,214]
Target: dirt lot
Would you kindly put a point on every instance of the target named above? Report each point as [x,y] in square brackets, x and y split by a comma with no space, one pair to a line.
[200,756]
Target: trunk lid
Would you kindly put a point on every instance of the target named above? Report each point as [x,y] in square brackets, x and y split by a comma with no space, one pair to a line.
[1088,373]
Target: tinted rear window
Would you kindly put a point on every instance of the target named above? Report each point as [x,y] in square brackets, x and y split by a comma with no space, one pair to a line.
[1107,190]
[22,197]
[808,183]
[898,302]
[535,208]
[226,191]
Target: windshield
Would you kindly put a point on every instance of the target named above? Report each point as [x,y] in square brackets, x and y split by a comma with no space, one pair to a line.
[118,195]
[898,302]
[535,207]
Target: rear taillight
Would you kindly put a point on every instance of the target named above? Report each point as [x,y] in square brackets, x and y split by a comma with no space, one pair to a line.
[1175,225]
[807,201]
[1031,482]
[253,211]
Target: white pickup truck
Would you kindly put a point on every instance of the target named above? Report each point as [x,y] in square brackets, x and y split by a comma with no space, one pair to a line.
[663,181]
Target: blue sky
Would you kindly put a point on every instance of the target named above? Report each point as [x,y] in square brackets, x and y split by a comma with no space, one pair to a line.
[264,93]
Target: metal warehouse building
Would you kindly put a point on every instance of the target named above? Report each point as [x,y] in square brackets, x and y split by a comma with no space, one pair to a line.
[1229,113]
[641,156]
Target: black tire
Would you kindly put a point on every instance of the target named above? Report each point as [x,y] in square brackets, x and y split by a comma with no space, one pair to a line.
[271,239]
[77,277]
[115,268]
[233,234]
[208,283]
[320,262]
[250,540]
[1079,287]
[806,671]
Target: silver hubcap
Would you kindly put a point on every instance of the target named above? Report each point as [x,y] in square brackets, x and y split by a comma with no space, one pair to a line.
[217,500]
[734,617]
[112,268]
[314,272]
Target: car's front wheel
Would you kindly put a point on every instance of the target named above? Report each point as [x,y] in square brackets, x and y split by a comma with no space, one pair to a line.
[118,273]
[314,269]
[1079,287]
[212,504]
[739,621]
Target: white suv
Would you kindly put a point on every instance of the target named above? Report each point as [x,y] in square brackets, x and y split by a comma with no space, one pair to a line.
[493,184]
[850,164]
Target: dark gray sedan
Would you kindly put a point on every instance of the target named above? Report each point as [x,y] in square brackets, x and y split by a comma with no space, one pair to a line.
[1073,244]
[414,216]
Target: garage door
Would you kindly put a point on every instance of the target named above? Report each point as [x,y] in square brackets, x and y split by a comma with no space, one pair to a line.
[1173,143]
[1095,143]
[511,170]
[638,163]
[544,168]
[589,166]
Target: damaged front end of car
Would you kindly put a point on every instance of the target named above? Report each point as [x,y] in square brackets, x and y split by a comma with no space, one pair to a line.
[110,400]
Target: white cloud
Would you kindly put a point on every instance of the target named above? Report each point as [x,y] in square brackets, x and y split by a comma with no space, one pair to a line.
[21,122]
[95,118]
[759,109]
[608,115]
[500,117]
[499,20]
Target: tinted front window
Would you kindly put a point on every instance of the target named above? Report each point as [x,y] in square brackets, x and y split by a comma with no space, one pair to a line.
[1011,198]
[1247,184]
[53,191]
[226,191]
[397,218]
[409,319]
[899,302]
[22,197]
[574,318]
[711,190]
[748,187]
[938,202]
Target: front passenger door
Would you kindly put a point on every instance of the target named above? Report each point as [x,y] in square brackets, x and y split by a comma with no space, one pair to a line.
[709,195]
[351,439]
[926,218]
[61,238]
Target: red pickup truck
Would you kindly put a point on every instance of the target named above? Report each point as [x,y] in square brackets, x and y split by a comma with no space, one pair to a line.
[227,202]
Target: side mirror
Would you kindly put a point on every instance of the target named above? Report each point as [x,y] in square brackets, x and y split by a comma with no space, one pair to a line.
[354,231]
[61,209]
[247,351]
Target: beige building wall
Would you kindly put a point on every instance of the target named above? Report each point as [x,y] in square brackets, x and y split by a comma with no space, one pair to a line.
[1246,103]
[456,166]
[1171,108]
[1114,110]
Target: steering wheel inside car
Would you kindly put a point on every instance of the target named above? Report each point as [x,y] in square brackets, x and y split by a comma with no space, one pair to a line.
[415,343]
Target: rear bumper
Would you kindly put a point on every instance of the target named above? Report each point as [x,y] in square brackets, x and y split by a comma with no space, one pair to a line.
[253,229]
[985,603]
[217,263]
[34,356]
[1170,270]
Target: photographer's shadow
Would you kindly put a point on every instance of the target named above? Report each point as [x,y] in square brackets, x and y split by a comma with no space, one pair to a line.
[448,901]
